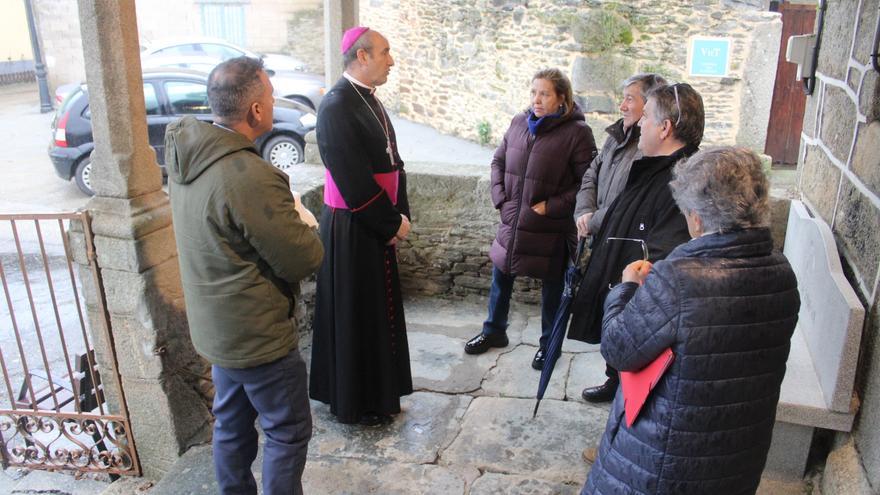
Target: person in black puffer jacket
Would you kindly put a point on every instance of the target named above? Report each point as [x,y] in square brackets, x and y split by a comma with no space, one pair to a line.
[726,305]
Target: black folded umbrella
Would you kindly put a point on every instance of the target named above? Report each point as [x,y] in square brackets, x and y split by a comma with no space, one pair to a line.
[573,277]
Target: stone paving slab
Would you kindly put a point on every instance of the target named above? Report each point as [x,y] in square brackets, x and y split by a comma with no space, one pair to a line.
[532,334]
[438,363]
[427,423]
[20,481]
[494,483]
[357,476]
[514,376]
[193,474]
[587,370]
[499,435]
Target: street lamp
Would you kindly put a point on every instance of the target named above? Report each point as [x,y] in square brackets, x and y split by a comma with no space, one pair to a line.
[39,67]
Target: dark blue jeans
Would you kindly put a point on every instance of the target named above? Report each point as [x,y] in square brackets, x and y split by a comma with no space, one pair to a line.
[499,304]
[275,392]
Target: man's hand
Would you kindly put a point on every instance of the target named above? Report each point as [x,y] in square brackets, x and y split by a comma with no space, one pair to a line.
[583,224]
[637,271]
[540,208]
[402,231]
[304,214]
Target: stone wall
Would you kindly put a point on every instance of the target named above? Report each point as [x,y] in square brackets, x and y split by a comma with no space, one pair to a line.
[305,37]
[839,172]
[454,222]
[58,26]
[464,67]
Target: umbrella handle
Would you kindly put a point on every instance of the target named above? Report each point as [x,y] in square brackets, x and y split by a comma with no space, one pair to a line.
[582,242]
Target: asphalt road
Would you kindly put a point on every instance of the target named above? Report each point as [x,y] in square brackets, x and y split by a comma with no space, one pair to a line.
[29,183]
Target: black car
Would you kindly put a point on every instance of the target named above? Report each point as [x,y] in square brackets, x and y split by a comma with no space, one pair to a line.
[169,95]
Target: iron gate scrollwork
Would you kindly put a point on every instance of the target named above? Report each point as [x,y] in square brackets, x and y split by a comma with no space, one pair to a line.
[62,406]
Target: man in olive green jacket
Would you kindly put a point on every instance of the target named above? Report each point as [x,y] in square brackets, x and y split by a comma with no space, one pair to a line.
[243,251]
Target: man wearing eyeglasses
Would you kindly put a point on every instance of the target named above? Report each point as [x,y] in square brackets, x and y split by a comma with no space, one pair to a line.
[671,128]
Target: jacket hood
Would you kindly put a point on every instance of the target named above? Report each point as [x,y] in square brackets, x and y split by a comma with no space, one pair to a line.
[192,146]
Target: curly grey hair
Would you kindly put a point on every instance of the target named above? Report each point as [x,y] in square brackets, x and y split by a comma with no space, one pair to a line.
[725,186]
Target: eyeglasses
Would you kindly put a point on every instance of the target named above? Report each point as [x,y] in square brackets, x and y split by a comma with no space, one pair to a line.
[641,242]
[677,103]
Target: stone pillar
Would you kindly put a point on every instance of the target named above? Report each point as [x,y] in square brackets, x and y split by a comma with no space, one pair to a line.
[339,15]
[134,240]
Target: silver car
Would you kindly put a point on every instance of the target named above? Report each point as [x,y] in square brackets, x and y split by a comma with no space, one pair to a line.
[204,54]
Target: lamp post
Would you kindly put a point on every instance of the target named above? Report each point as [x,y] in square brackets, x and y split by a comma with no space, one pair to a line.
[39,67]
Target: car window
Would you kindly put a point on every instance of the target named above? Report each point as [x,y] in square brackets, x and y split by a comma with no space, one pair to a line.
[187,97]
[220,51]
[151,101]
[68,101]
[179,50]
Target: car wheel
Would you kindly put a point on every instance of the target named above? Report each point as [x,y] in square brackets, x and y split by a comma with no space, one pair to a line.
[283,152]
[83,176]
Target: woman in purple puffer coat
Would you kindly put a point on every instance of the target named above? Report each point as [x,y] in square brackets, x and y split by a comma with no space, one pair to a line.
[536,173]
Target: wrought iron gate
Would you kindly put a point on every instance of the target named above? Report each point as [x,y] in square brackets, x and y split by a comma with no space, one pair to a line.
[61,403]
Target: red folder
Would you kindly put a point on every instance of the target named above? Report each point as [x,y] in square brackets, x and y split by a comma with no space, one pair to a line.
[637,385]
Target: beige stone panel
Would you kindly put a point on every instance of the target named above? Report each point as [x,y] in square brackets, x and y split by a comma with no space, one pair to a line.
[837,37]
[819,181]
[838,121]
[866,159]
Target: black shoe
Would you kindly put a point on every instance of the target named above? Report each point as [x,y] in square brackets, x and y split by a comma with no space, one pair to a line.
[602,393]
[482,343]
[538,360]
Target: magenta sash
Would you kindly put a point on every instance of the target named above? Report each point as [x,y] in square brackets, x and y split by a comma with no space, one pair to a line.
[388,181]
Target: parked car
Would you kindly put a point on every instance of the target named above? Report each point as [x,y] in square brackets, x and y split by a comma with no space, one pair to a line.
[169,95]
[288,74]
[62,91]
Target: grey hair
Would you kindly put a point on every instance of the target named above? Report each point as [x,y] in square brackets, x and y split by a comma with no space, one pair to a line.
[364,42]
[647,82]
[725,186]
[232,86]
[686,112]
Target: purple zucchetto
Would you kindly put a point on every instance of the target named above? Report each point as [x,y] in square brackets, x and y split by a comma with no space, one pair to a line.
[351,36]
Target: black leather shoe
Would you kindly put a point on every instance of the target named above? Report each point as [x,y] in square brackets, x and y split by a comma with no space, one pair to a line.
[602,393]
[538,360]
[482,343]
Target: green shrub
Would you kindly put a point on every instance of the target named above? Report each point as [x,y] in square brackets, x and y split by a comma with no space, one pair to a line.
[601,30]
[484,131]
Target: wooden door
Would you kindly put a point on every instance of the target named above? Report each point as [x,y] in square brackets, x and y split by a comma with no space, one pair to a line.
[789,100]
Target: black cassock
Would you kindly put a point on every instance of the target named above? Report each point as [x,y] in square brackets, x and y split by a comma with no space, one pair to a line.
[360,355]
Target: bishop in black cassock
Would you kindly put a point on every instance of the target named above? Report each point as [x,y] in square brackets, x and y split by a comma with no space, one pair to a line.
[360,356]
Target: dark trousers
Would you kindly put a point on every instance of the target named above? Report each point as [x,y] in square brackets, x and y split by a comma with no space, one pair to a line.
[275,392]
[499,304]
